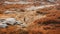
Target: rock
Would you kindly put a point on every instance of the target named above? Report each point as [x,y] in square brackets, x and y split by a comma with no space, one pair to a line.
[10,21]
[51,0]
[23,25]
[18,23]
[3,25]
[2,20]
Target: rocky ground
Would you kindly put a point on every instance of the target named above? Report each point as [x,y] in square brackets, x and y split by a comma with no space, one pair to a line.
[29,17]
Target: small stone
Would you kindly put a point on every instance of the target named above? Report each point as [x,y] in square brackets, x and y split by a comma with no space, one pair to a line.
[24,25]
[18,23]
[10,21]
[3,25]
[2,20]
[51,0]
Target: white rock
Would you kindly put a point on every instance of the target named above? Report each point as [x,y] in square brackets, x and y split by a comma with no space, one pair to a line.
[19,2]
[51,0]
[3,25]
[7,11]
[11,20]
[40,7]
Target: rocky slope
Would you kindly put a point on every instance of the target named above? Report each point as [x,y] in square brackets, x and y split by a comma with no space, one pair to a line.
[29,17]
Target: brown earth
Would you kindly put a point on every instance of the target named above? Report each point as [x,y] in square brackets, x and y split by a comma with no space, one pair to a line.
[41,21]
